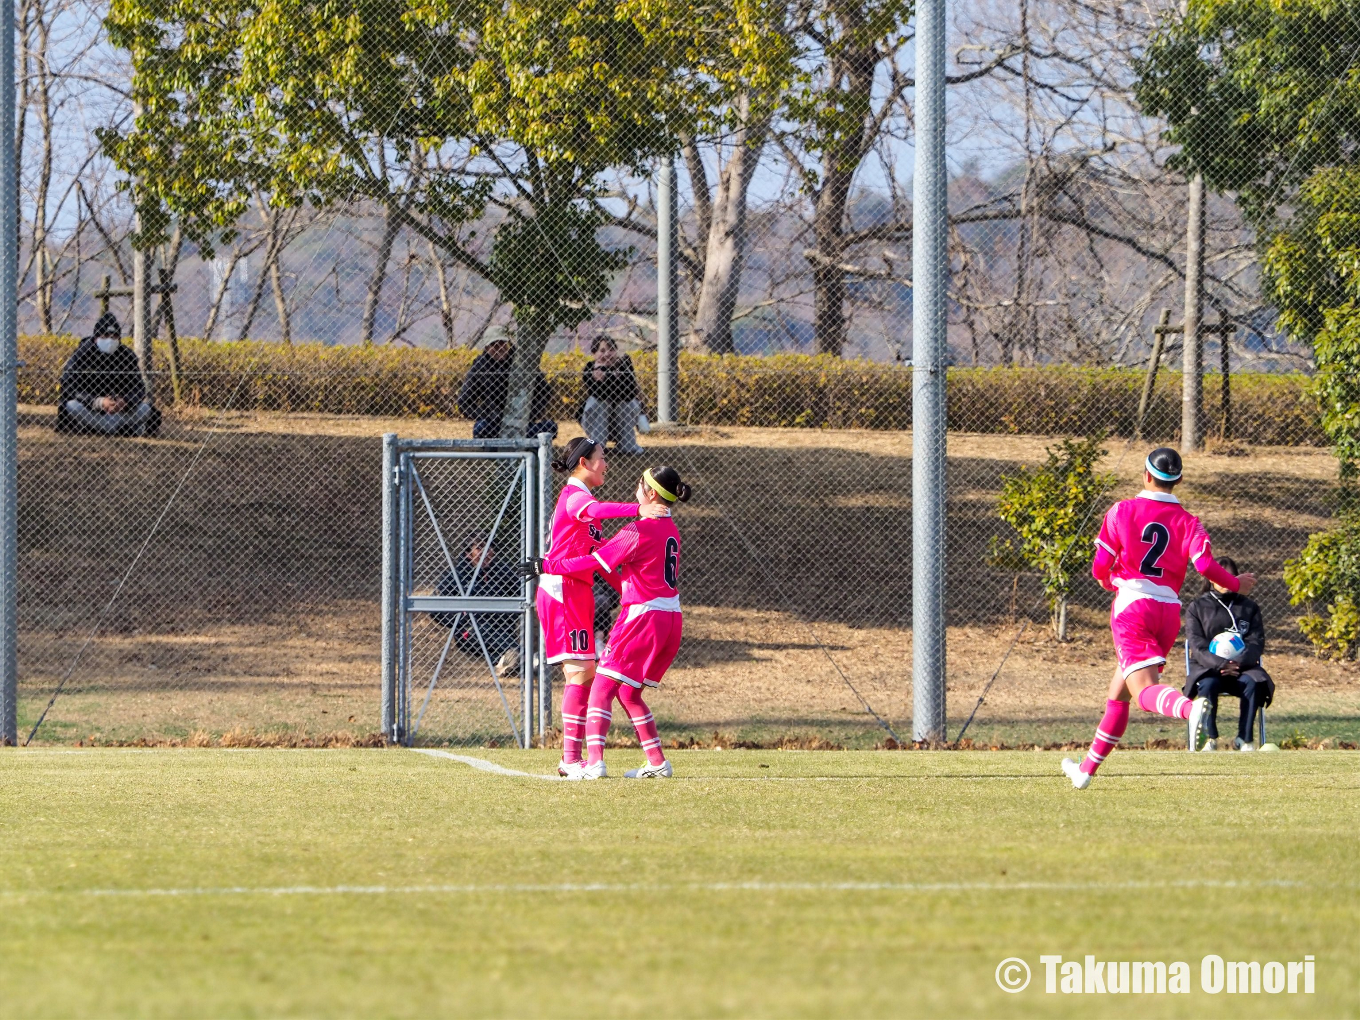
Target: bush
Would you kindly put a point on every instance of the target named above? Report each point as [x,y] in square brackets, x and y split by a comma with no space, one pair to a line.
[784,391]
[1054,510]
[1327,573]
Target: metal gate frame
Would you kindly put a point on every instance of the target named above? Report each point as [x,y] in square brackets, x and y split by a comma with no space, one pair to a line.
[400,486]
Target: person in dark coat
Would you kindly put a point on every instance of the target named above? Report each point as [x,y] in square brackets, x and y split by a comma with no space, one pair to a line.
[1215,611]
[101,387]
[482,397]
[613,400]
[478,571]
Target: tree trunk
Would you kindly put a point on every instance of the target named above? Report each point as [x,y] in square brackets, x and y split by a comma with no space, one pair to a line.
[1060,618]
[445,305]
[725,249]
[828,278]
[375,284]
[531,339]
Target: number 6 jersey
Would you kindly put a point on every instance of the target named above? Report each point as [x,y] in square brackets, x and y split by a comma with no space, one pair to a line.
[647,553]
[1145,546]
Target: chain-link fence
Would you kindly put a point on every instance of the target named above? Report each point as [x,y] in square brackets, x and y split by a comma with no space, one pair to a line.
[385,217]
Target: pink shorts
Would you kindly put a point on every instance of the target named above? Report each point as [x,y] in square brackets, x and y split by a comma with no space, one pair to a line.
[1144,631]
[642,646]
[566,611]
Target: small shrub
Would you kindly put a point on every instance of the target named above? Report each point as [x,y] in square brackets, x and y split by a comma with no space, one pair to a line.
[1327,574]
[1054,509]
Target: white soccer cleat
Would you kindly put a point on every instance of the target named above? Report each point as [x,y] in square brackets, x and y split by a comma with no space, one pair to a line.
[1072,769]
[570,769]
[662,771]
[1247,745]
[596,771]
[1210,745]
[1199,713]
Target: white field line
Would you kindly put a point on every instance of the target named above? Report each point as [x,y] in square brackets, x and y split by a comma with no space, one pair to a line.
[481,764]
[666,887]
[484,765]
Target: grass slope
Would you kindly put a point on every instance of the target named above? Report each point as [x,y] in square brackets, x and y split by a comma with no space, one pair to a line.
[742,888]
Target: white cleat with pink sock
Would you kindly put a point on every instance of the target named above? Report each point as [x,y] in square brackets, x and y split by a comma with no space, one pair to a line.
[649,771]
[595,770]
[1080,780]
[570,769]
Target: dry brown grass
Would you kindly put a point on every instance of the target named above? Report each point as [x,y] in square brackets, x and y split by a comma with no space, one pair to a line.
[254,614]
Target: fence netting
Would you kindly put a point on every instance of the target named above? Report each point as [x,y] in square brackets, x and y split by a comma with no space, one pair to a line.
[387,216]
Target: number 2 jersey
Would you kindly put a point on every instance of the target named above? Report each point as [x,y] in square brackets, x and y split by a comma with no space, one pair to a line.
[1145,546]
[647,554]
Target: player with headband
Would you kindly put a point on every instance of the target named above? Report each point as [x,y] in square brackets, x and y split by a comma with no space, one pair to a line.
[566,601]
[1144,547]
[646,636]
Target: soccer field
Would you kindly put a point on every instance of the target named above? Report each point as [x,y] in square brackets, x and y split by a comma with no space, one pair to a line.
[760,883]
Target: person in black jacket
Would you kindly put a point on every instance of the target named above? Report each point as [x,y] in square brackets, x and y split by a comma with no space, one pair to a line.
[613,400]
[101,387]
[479,572]
[1215,611]
[482,397]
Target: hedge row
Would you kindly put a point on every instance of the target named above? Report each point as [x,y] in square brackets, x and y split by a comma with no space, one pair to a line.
[791,391]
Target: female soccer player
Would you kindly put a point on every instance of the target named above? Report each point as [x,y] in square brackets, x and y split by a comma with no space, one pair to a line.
[566,603]
[1144,547]
[646,636]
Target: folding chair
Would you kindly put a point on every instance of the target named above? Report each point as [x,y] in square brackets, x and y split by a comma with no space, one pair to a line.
[1260,715]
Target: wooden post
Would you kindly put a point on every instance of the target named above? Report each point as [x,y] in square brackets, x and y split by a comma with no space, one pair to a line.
[166,313]
[103,293]
[1154,363]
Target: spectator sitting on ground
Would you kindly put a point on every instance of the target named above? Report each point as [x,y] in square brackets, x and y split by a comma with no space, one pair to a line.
[482,397]
[101,388]
[487,577]
[613,400]
[1210,676]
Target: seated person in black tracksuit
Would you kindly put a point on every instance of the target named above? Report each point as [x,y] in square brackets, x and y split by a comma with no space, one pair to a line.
[482,397]
[1210,676]
[101,387]
[495,579]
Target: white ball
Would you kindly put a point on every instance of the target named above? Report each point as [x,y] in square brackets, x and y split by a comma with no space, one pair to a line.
[1228,645]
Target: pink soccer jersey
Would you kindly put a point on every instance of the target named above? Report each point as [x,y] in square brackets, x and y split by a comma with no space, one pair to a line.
[647,553]
[1146,545]
[575,531]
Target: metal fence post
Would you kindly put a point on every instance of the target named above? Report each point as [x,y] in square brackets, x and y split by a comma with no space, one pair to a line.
[389,586]
[9,367]
[544,479]
[929,347]
[1192,356]
[667,293]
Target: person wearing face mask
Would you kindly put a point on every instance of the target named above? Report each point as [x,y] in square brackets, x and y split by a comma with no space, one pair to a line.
[613,407]
[101,388]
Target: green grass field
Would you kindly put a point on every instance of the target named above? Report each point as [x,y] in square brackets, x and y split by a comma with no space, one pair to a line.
[761,883]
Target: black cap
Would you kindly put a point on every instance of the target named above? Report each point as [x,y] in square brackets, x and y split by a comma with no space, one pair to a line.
[1164,464]
[108,326]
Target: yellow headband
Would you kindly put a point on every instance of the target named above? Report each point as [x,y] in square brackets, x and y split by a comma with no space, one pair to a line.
[656,486]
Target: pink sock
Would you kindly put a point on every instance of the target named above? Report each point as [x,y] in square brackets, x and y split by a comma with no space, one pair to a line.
[1111,728]
[575,698]
[631,699]
[1164,700]
[599,715]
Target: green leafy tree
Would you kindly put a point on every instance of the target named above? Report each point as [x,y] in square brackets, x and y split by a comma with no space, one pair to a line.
[1054,510]
[1256,93]
[444,114]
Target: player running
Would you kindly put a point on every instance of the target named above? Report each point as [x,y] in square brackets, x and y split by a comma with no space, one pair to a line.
[1144,547]
[566,602]
[646,636]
